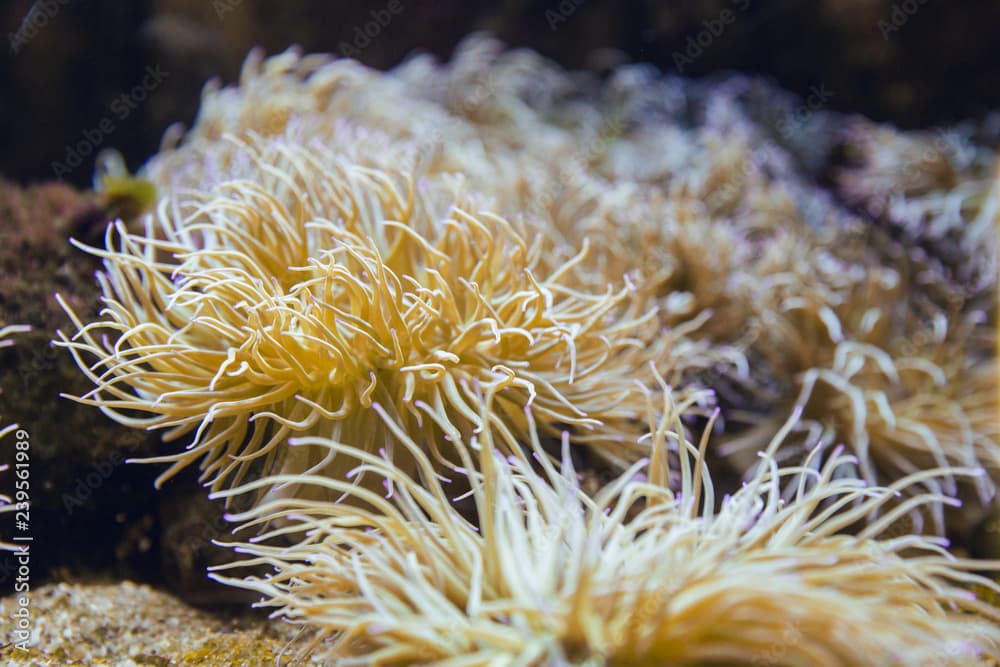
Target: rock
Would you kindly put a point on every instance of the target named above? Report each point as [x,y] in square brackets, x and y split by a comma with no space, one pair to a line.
[82,496]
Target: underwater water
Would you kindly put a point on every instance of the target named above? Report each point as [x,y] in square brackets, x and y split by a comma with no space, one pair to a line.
[582,333]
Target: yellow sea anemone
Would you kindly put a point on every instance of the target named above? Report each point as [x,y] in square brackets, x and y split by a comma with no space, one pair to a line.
[668,182]
[290,303]
[636,575]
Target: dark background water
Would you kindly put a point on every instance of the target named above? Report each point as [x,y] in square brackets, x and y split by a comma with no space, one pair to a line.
[121,72]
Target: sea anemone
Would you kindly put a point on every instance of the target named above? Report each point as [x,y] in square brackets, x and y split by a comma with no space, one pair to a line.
[938,189]
[469,117]
[874,363]
[290,303]
[637,575]
[6,504]
[668,181]
[6,331]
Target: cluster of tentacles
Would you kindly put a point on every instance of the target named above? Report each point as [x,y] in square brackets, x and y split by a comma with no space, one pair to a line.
[405,312]
[292,303]
[6,502]
[637,574]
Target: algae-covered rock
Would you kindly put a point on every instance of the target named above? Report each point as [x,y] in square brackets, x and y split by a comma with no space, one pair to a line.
[81,494]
